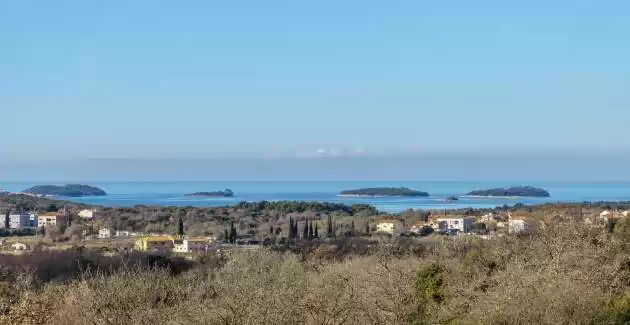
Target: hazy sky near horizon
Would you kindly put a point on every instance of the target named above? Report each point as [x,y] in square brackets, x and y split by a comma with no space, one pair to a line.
[150,78]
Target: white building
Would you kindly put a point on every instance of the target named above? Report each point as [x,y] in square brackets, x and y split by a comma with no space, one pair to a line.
[437,226]
[52,219]
[105,233]
[390,226]
[516,226]
[192,245]
[20,221]
[86,214]
[20,246]
[460,224]
[121,233]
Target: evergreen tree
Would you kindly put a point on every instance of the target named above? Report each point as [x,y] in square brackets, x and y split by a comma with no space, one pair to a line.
[232,233]
[290,228]
[329,232]
[310,230]
[7,220]
[270,230]
[353,228]
[226,235]
[367,228]
[295,229]
[180,228]
[316,232]
[305,230]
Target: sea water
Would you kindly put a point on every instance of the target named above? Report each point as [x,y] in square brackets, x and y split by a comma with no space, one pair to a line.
[173,193]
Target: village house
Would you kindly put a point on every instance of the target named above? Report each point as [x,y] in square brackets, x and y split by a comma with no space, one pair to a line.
[121,233]
[517,225]
[191,245]
[155,244]
[437,226]
[86,214]
[20,221]
[52,219]
[605,218]
[20,246]
[104,233]
[458,224]
[390,225]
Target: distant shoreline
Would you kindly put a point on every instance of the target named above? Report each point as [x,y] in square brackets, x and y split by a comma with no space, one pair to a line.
[496,197]
[378,196]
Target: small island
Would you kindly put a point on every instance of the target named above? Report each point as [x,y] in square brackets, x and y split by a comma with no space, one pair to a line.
[451,198]
[70,190]
[225,193]
[384,191]
[514,191]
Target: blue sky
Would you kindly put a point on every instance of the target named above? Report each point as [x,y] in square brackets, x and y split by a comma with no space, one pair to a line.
[94,79]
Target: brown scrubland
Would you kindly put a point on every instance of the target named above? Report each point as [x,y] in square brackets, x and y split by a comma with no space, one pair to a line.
[562,273]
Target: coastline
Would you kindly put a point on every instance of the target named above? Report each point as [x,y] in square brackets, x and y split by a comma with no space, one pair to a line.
[499,197]
[379,196]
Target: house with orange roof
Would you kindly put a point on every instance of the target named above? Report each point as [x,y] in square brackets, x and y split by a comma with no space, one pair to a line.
[155,244]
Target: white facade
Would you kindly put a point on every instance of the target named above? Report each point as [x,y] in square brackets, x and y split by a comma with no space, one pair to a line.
[463,224]
[86,214]
[50,220]
[20,221]
[390,227]
[19,246]
[437,226]
[104,233]
[516,226]
[121,233]
[190,246]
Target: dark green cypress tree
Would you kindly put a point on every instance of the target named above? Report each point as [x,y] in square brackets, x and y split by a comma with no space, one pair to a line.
[290,228]
[226,235]
[180,228]
[270,230]
[232,233]
[367,228]
[310,230]
[7,220]
[316,232]
[329,232]
[305,230]
[295,229]
[353,229]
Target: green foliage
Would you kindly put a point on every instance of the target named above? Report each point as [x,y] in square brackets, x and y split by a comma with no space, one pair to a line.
[180,227]
[329,232]
[305,230]
[616,312]
[621,229]
[430,284]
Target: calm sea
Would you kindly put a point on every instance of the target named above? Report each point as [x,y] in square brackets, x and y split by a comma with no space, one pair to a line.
[172,193]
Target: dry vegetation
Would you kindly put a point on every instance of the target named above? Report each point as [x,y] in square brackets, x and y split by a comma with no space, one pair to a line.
[564,273]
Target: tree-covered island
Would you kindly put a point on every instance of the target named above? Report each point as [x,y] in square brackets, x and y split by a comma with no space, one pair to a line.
[69,190]
[384,191]
[522,191]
